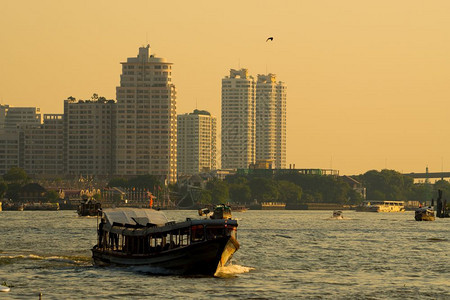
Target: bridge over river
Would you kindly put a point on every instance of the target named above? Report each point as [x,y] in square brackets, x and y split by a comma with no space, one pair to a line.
[440,175]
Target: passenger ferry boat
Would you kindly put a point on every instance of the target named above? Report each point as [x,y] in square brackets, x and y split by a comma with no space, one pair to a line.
[381,206]
[144,237]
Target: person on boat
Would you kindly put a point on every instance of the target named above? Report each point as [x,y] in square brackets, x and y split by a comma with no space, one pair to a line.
[100,233]
[114,240]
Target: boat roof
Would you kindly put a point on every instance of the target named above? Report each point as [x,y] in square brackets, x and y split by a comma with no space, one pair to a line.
[133,216]
[170,226]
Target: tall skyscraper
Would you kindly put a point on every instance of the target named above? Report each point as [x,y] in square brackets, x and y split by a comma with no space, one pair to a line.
[271,120]
[196,142]
[89,137]
[146,118]
[238,120]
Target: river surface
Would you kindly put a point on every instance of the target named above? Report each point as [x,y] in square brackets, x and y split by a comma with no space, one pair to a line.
[283,255]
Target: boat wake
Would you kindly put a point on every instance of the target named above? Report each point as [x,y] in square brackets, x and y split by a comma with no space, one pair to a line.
[70,260]
[231,271]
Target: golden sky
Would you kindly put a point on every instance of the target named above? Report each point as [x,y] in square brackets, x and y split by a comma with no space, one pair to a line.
[368,81]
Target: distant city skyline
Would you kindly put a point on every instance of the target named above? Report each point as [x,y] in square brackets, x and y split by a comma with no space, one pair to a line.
[368,82]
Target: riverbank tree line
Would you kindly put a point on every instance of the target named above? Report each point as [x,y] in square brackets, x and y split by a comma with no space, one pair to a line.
[298,189]
[292,189]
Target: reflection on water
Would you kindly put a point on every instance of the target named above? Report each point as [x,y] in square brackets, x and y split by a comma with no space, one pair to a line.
[283,254]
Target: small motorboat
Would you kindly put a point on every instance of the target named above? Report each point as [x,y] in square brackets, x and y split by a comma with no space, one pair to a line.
[4,288]
[424,214]
[337,214]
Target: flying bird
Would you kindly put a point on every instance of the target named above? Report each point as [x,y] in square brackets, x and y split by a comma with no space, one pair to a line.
[269,39]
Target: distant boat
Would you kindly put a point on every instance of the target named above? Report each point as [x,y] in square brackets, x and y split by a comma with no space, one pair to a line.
[238,208]
[89,207]
[424,214]
[41,206]
[273,205]
[337,214]
[381,206]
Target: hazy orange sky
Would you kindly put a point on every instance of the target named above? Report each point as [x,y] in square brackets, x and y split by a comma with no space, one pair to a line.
[368,81]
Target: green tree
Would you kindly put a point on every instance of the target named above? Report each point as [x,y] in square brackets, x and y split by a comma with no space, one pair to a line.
[219,191]
[240,193]
[205,197]
[16,175]
[3,188]
[236,179]
[145,182]
[422,192]
[52,196]
[444,186]
[289,192]
[264,189]
[389,184]
[13,191]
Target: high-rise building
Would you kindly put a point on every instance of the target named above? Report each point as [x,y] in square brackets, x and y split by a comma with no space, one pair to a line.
[89,137]
[238,120]
[271,120]
[41,146]
[146,118]
[9,150]
[12,119]
[16,116]
[196,143]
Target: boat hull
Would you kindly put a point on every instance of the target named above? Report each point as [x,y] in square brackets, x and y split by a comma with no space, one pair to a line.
[421,216]
[198,258]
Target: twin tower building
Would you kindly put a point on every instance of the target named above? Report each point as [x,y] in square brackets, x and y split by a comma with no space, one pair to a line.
[141,132]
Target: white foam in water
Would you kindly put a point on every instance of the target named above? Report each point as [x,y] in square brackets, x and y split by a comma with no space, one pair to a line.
[63,259]
[231,270]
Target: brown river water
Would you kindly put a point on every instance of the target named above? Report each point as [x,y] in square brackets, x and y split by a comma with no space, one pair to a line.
[283,255]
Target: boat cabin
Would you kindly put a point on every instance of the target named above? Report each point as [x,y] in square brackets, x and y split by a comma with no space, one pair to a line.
[147,231]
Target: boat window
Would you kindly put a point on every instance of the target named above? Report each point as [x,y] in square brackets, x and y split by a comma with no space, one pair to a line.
[197,233]
[183,237]
[213,232]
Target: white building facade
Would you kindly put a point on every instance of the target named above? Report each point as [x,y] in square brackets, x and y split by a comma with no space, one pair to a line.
[271,120]
[146,139]
[238,120]
[196,143]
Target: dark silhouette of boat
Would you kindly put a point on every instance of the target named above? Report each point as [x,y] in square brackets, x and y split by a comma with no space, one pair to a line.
[144,237]
[89,207]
